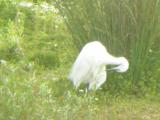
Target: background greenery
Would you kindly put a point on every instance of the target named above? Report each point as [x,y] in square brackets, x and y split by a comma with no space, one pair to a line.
[39,41]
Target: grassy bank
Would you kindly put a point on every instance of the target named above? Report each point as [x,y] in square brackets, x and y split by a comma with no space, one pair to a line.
[36,54]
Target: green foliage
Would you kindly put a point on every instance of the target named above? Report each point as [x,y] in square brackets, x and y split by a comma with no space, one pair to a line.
[29,29]
[128,28]
[45,58]
[7,11]
[33,39]
[34,94]
[11,37]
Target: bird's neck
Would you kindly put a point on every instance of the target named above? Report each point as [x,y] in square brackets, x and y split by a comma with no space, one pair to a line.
[113,61]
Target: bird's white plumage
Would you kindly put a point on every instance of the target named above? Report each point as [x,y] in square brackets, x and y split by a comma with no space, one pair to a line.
[90,65]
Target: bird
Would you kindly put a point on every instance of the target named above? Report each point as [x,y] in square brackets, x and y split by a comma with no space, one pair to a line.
[90,66]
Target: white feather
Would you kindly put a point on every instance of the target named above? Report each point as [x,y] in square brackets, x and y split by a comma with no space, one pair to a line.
[90,65]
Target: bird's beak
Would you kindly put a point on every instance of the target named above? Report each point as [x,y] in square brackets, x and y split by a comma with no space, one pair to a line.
[115,68]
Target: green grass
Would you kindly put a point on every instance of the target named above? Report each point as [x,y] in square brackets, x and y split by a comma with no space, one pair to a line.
[39,52]
[37,93]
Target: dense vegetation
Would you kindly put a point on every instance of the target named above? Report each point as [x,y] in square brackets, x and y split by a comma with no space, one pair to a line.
[39,42]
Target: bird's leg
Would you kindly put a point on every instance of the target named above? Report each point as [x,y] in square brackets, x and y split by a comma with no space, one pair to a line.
[92,86]
[86,90]
[76,84]
[101,78]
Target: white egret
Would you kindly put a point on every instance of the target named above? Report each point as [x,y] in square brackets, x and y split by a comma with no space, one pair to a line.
[90,65]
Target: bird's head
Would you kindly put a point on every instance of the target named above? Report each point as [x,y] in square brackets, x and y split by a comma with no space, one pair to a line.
[122,66]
